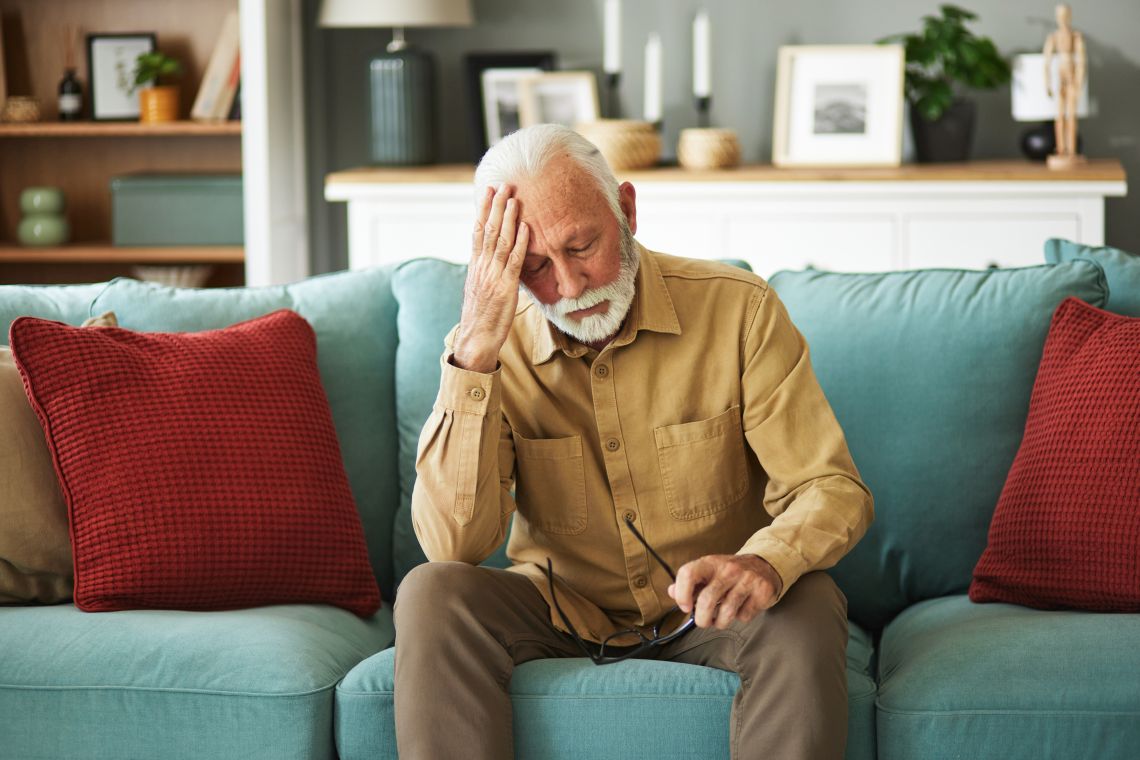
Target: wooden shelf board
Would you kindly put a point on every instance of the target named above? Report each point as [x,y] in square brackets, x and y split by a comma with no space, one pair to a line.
[121,129]
[104,253]
[1096,170]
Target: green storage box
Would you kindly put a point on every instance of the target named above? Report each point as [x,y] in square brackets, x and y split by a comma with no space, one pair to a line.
[176,209]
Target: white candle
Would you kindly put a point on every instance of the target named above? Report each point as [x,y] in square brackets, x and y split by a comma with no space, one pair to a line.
[653,78]
[611,62]
[702,84]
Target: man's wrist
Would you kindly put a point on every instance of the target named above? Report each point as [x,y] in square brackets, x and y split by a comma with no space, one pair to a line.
[473,365]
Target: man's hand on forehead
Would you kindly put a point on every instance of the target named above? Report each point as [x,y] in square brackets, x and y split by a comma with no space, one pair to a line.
[490,293]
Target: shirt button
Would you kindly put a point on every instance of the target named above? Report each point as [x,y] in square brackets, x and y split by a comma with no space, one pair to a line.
[477,394]
[602,370]
[640,581]
[629,515]
[613,444]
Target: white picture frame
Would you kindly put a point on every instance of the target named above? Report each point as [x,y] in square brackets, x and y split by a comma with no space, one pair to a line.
[501,96]
[111,62]
[560,97]
[839,105]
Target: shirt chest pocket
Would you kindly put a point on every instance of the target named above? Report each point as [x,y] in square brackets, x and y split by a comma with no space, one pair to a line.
[550,489]
[703,465]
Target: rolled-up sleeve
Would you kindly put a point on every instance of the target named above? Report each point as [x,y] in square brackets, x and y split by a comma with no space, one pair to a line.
[461,501]
[819,504]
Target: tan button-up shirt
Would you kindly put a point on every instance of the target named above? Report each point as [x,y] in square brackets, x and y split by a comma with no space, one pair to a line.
[702,421]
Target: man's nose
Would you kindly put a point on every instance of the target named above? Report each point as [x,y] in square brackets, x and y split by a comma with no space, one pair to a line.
[571,278]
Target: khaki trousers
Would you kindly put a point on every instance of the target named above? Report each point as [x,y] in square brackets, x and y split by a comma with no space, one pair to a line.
[461,629]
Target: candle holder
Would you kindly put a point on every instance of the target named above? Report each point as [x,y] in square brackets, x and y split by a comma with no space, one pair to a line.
[704,106]
[613,78]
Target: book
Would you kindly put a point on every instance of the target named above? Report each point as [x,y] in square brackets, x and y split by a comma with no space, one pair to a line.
[208,105]
[235,110]
[229,92]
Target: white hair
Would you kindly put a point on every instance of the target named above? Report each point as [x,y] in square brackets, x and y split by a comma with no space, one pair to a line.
[524,154]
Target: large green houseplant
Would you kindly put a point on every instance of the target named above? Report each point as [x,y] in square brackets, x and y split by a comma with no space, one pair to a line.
[943,61]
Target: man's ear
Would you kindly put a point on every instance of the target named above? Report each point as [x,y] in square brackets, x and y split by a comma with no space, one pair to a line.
[627,199]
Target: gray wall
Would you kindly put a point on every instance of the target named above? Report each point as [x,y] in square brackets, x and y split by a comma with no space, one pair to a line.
[746,35]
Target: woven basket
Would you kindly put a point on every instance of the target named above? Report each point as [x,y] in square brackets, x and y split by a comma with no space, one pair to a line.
[625,143]
[708,149]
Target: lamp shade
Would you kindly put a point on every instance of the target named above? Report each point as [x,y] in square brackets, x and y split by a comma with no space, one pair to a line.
[1027,90]
[385,13]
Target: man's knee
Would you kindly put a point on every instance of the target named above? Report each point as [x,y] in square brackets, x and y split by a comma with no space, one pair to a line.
[811,616]
[433,590]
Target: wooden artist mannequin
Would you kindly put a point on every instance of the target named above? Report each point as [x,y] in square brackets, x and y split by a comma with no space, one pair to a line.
[1069,46]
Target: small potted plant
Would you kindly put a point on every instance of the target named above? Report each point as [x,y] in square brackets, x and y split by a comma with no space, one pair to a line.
[156,102]
[943,61]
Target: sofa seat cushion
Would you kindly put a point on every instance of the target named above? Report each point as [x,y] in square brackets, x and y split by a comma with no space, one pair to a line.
[252,683]
[571,708]
[958,679]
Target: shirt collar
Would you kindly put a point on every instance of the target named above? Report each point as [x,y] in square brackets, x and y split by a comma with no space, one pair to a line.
[651,309]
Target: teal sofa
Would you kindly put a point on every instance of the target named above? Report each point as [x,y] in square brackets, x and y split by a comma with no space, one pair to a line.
[929,372]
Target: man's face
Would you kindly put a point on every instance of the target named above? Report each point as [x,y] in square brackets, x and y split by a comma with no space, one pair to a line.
[581,263]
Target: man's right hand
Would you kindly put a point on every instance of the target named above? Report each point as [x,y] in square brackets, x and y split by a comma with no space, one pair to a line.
[491,292]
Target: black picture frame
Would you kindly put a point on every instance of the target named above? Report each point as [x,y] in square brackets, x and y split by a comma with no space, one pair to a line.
[474,64]
[110,71]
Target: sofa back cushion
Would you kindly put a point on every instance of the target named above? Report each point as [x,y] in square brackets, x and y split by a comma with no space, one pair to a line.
[929,372]
[70,304]
[1121,269]
[430,295]
[354,316]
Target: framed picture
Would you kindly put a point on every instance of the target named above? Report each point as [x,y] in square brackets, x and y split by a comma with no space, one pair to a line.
[501,94]
[475,64]
[839,105]
[564,97]
[111,71]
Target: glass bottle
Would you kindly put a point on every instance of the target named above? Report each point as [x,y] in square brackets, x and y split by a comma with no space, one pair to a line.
[70,97]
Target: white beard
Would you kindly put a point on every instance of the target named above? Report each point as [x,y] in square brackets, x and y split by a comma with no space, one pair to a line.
[595,328]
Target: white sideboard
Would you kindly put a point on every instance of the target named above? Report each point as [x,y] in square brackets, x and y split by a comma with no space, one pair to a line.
[970,215]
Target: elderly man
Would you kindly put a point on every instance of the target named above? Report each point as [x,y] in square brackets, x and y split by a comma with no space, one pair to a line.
[651,412]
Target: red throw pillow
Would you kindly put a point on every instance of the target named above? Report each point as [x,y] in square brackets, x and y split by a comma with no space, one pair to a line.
[1066,531]
[201,471]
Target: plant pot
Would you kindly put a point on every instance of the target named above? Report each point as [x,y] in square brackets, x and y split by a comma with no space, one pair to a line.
[158,104]
[946,139]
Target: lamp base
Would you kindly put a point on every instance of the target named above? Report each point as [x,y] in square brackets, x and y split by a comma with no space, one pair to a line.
[402,86]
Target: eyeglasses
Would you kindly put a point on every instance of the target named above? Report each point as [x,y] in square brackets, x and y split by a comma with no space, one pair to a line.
[647,642]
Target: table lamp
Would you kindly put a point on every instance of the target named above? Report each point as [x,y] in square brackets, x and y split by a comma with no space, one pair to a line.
[402,79]
[1031,103]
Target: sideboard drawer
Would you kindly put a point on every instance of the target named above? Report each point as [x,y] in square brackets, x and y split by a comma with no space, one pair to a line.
[977,241]
[835,242]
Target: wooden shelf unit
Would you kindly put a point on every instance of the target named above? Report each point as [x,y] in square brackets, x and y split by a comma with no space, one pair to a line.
[79,253]
[82,157]
[120,129]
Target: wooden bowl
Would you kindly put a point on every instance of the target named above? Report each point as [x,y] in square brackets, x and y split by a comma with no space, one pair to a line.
[708,148]
[625,143]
